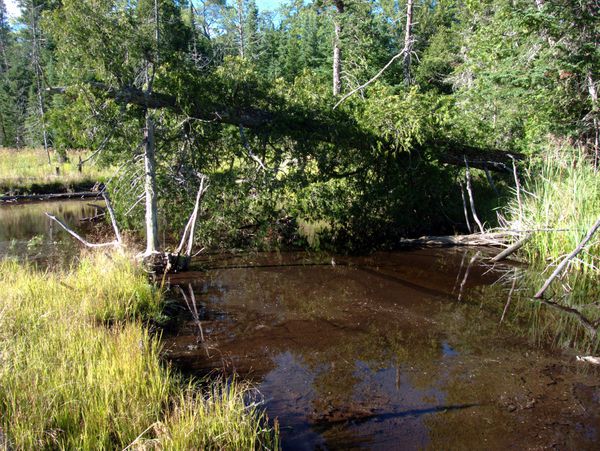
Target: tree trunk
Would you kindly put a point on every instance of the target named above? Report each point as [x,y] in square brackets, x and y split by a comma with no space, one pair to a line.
[35,55]
[152,244]
[593,92]
[337,49]
[408,42]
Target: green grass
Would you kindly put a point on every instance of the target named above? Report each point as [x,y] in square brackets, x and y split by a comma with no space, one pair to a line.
[28,171]
[563,195]
[80,371]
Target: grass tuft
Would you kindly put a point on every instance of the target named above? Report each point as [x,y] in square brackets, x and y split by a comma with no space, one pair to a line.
[79,370]
[563,194]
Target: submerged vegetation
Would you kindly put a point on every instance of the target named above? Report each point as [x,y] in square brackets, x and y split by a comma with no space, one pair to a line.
[80,369]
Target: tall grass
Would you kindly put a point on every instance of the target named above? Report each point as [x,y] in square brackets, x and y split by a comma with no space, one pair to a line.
[563,195]
[78,369]
[26,170]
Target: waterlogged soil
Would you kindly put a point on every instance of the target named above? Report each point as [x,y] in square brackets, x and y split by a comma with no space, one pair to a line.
[400,350]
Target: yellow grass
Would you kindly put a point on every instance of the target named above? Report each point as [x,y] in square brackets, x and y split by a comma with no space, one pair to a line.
[27,170]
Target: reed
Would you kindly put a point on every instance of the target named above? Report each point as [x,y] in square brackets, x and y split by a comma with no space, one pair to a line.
[562,194]
[79,370]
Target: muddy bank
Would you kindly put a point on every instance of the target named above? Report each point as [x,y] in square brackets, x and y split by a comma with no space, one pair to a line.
[396,350]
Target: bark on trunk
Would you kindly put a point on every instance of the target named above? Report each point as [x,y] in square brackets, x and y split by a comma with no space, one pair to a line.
[152,244]
[337,49]
[408,42]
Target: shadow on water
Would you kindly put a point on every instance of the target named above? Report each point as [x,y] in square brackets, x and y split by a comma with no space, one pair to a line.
[394,350]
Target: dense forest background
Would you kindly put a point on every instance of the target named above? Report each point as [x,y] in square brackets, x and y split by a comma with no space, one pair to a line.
[356,118]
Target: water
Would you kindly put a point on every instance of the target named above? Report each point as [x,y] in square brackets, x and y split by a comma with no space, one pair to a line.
[401,350]
[379,352]
[28,234]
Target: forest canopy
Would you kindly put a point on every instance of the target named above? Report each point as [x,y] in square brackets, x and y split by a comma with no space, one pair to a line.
[356,114]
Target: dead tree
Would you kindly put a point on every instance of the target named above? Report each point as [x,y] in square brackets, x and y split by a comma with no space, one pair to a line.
[408,42]
[337,47]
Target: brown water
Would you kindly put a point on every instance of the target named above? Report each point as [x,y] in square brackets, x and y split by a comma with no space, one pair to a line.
[27,233]
[400,350]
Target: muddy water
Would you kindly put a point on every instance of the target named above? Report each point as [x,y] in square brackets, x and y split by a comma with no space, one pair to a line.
[27,233]
[399,350]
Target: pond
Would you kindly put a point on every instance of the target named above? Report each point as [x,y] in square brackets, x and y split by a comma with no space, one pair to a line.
[27,233]
[428,348]
[395,350]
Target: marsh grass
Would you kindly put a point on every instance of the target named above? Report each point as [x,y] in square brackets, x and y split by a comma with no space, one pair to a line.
[27,170]
[79,370]
[561,201]
[563,194]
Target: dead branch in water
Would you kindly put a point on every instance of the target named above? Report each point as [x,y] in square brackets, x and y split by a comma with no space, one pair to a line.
[512,249]
[113,220]
[590,326]
[79,238]
[466,277]
[559,269]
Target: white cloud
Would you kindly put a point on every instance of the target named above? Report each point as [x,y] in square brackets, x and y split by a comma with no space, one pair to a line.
[13,9]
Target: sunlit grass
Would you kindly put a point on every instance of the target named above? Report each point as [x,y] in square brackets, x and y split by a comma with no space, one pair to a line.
[24,170]
[563,195]
[79,370]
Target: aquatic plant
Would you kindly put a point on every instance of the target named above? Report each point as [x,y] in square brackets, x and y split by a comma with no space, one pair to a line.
[80,369]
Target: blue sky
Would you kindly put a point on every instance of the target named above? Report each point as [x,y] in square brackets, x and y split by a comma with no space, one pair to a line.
[11,6]
[263,5]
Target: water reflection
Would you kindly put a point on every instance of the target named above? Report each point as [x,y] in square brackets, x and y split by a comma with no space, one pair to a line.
[26,233]
[379,352]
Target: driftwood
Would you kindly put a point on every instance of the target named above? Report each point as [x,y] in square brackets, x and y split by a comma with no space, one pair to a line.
[80,195]
[559,269]
[475,239]
[512,249]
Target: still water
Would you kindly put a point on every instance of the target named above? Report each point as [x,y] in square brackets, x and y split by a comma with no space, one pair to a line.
[27,233]
[422,349]
[400,350]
